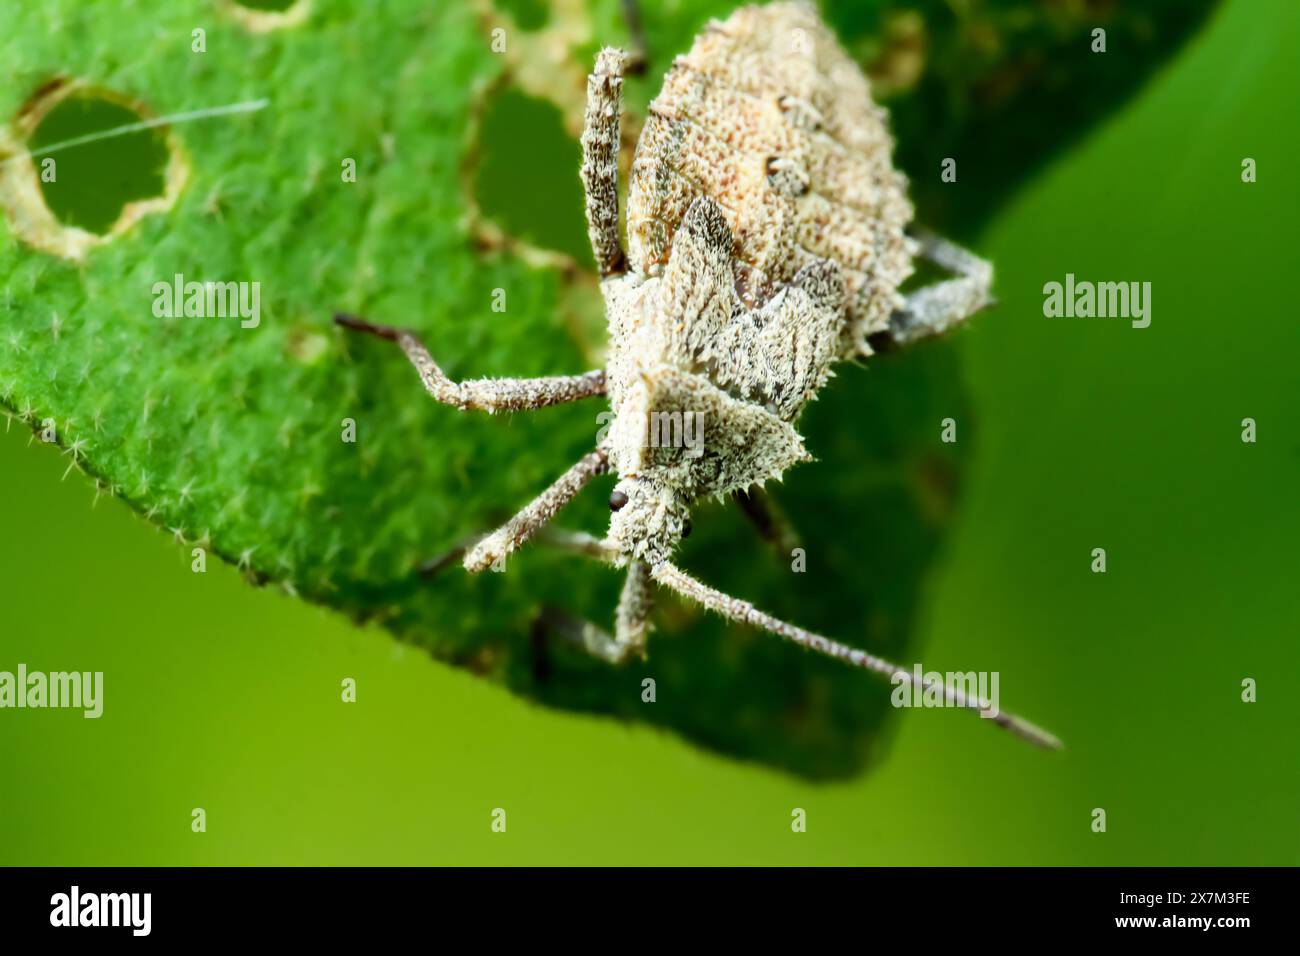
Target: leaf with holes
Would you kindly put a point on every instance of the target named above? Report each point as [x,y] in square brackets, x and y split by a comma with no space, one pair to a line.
[403,168]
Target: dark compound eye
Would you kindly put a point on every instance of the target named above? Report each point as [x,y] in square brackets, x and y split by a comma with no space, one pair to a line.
[617,500]
[686,528]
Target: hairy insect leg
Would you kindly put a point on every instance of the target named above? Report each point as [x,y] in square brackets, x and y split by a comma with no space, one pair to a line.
[631,621]
[742,611]
[534,516]
[487,394]
[936,308]
[600,147]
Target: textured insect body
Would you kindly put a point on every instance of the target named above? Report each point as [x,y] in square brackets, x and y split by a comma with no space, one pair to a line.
[765,234]
[681,344]
[767,116]
[766,242]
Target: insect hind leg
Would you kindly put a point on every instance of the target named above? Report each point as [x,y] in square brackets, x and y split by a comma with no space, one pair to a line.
[936,308]
[768,518]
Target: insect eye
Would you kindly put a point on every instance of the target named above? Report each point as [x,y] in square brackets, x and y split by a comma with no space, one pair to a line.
[686,528]
[617,500]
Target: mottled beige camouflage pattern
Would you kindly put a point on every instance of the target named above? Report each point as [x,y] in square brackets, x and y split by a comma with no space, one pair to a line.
[765,244]
[768,116]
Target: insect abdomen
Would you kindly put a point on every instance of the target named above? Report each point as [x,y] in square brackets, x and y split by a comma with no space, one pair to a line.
[769,117]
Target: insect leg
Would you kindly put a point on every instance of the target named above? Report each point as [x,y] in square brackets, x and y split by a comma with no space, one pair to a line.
[579,542]
[632,619]
[600,146]
[936,308]
[631,623]
[772,524]
[738,610]
[536,513]
[488,394]
[575,542]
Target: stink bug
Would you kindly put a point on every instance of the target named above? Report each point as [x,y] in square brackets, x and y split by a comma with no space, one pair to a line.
[766,241]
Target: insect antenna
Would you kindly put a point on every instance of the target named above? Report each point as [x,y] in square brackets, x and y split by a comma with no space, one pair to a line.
[739,610]
[361,325]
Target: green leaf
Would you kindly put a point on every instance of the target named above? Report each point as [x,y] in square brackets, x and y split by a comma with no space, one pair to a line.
[466,183]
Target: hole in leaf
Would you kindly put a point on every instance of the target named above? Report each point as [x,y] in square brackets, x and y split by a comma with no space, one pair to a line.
[527,14]
[76,169]
[89,185]
[527,180]
[263,16]
[277,6]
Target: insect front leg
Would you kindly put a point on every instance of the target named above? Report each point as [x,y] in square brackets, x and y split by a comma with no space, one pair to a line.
[535,515]
[937,308]
[631,621]
[487,394]
[600,146]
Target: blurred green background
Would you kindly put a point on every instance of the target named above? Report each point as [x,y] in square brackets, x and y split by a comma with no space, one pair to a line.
[1090,434]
